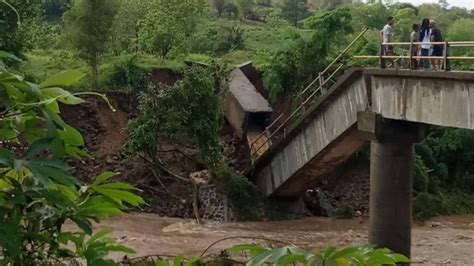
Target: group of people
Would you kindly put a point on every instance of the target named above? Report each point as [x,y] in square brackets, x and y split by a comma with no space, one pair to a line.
[427,34]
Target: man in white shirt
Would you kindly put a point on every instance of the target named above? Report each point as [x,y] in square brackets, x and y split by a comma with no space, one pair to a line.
[387,37]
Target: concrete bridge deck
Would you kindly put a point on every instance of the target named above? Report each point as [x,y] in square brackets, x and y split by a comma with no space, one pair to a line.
[353,111]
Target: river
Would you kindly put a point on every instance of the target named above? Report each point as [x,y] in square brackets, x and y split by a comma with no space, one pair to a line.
[441,241]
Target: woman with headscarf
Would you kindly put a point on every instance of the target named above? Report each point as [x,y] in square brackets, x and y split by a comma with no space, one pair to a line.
[425,38]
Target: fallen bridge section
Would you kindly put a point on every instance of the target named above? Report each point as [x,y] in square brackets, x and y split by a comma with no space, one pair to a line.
[329,133]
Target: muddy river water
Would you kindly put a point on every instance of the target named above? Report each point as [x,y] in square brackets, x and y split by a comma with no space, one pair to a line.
[441,241]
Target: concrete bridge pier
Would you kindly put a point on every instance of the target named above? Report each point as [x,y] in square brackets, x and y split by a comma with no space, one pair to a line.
[392,163]
[391,182]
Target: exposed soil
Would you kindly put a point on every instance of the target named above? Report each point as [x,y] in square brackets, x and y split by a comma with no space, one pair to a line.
[442,241]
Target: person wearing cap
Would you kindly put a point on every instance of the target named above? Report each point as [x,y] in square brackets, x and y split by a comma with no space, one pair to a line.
[436,36]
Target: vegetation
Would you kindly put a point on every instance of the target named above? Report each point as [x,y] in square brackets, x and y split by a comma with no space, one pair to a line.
[119,43]
[38,193]
[291,255]
[89,24]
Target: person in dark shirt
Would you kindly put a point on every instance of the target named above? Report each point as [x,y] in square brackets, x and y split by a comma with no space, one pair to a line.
[436,36]
[425,37]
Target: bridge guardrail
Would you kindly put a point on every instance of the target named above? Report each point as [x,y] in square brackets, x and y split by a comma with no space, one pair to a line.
[445,57]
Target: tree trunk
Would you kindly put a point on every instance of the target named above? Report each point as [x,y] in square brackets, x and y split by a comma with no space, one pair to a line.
[95,73]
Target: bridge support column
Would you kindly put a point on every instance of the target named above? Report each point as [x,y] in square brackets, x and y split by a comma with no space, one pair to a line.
[392,161]
[391,182]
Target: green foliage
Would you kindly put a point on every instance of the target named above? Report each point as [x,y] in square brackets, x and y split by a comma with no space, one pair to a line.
[167,27]
[245,6]
[12,14]
[219,6]
[242,193]
[89,24]
[38,193]
[291,255]
[231,9]
[54,9]
[295,10]
[128,75]
[190,110]
[289,70]
[218,39]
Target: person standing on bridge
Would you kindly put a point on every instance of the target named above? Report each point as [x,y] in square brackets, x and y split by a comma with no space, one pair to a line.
[425,38]
[387,37]
[438,49]
[414,37]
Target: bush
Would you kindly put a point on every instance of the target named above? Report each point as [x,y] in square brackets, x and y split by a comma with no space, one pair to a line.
[129,76]
[189,111]
[242,193]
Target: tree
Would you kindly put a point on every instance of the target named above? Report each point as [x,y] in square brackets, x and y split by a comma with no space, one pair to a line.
[89,26]
[294,10]
[245,6]
[219,6]
[293,68]
[190,110]
[167,27]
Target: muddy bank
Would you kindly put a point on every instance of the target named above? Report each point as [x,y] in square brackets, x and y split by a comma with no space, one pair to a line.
[442,241]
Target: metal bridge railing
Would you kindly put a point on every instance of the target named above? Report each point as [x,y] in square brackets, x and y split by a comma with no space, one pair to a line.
[446,57]
[322,81]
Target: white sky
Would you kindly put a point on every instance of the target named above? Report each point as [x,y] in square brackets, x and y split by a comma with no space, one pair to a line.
[469,4]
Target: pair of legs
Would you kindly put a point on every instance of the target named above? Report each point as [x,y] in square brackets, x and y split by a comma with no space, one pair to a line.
[387,50]
[437,63]
[425,63]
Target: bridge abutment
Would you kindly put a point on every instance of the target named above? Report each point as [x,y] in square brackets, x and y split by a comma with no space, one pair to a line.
[392,166]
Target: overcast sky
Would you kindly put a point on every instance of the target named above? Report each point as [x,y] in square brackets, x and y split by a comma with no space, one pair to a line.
[462,3]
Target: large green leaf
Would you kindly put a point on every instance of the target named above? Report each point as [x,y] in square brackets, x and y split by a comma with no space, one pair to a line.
[102,178]
[260,259]
[10,236]
[120,196]
[71,136]
[254,250]
[61,95]
[4,54]
[65,78]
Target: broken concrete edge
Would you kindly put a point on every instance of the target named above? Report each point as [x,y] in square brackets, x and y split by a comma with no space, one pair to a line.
[373,127]
[345,81]
[282,190]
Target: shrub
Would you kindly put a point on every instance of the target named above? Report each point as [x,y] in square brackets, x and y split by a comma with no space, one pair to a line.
[242,193]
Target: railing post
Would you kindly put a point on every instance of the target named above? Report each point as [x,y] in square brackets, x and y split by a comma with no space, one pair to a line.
[321,83]
[446,54]
[412,63]
[382,61]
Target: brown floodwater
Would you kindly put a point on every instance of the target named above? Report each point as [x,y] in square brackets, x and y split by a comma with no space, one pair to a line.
[441,241]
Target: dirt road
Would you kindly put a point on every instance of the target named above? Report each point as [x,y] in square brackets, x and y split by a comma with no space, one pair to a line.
[442,241]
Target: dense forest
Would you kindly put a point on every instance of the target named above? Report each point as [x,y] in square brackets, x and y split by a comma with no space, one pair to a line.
[95,47]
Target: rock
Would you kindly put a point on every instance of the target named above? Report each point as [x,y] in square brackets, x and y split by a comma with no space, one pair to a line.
[435,224]
[201,177]
[358,213]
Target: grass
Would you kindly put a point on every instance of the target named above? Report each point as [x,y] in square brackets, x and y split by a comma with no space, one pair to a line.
[260,40]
